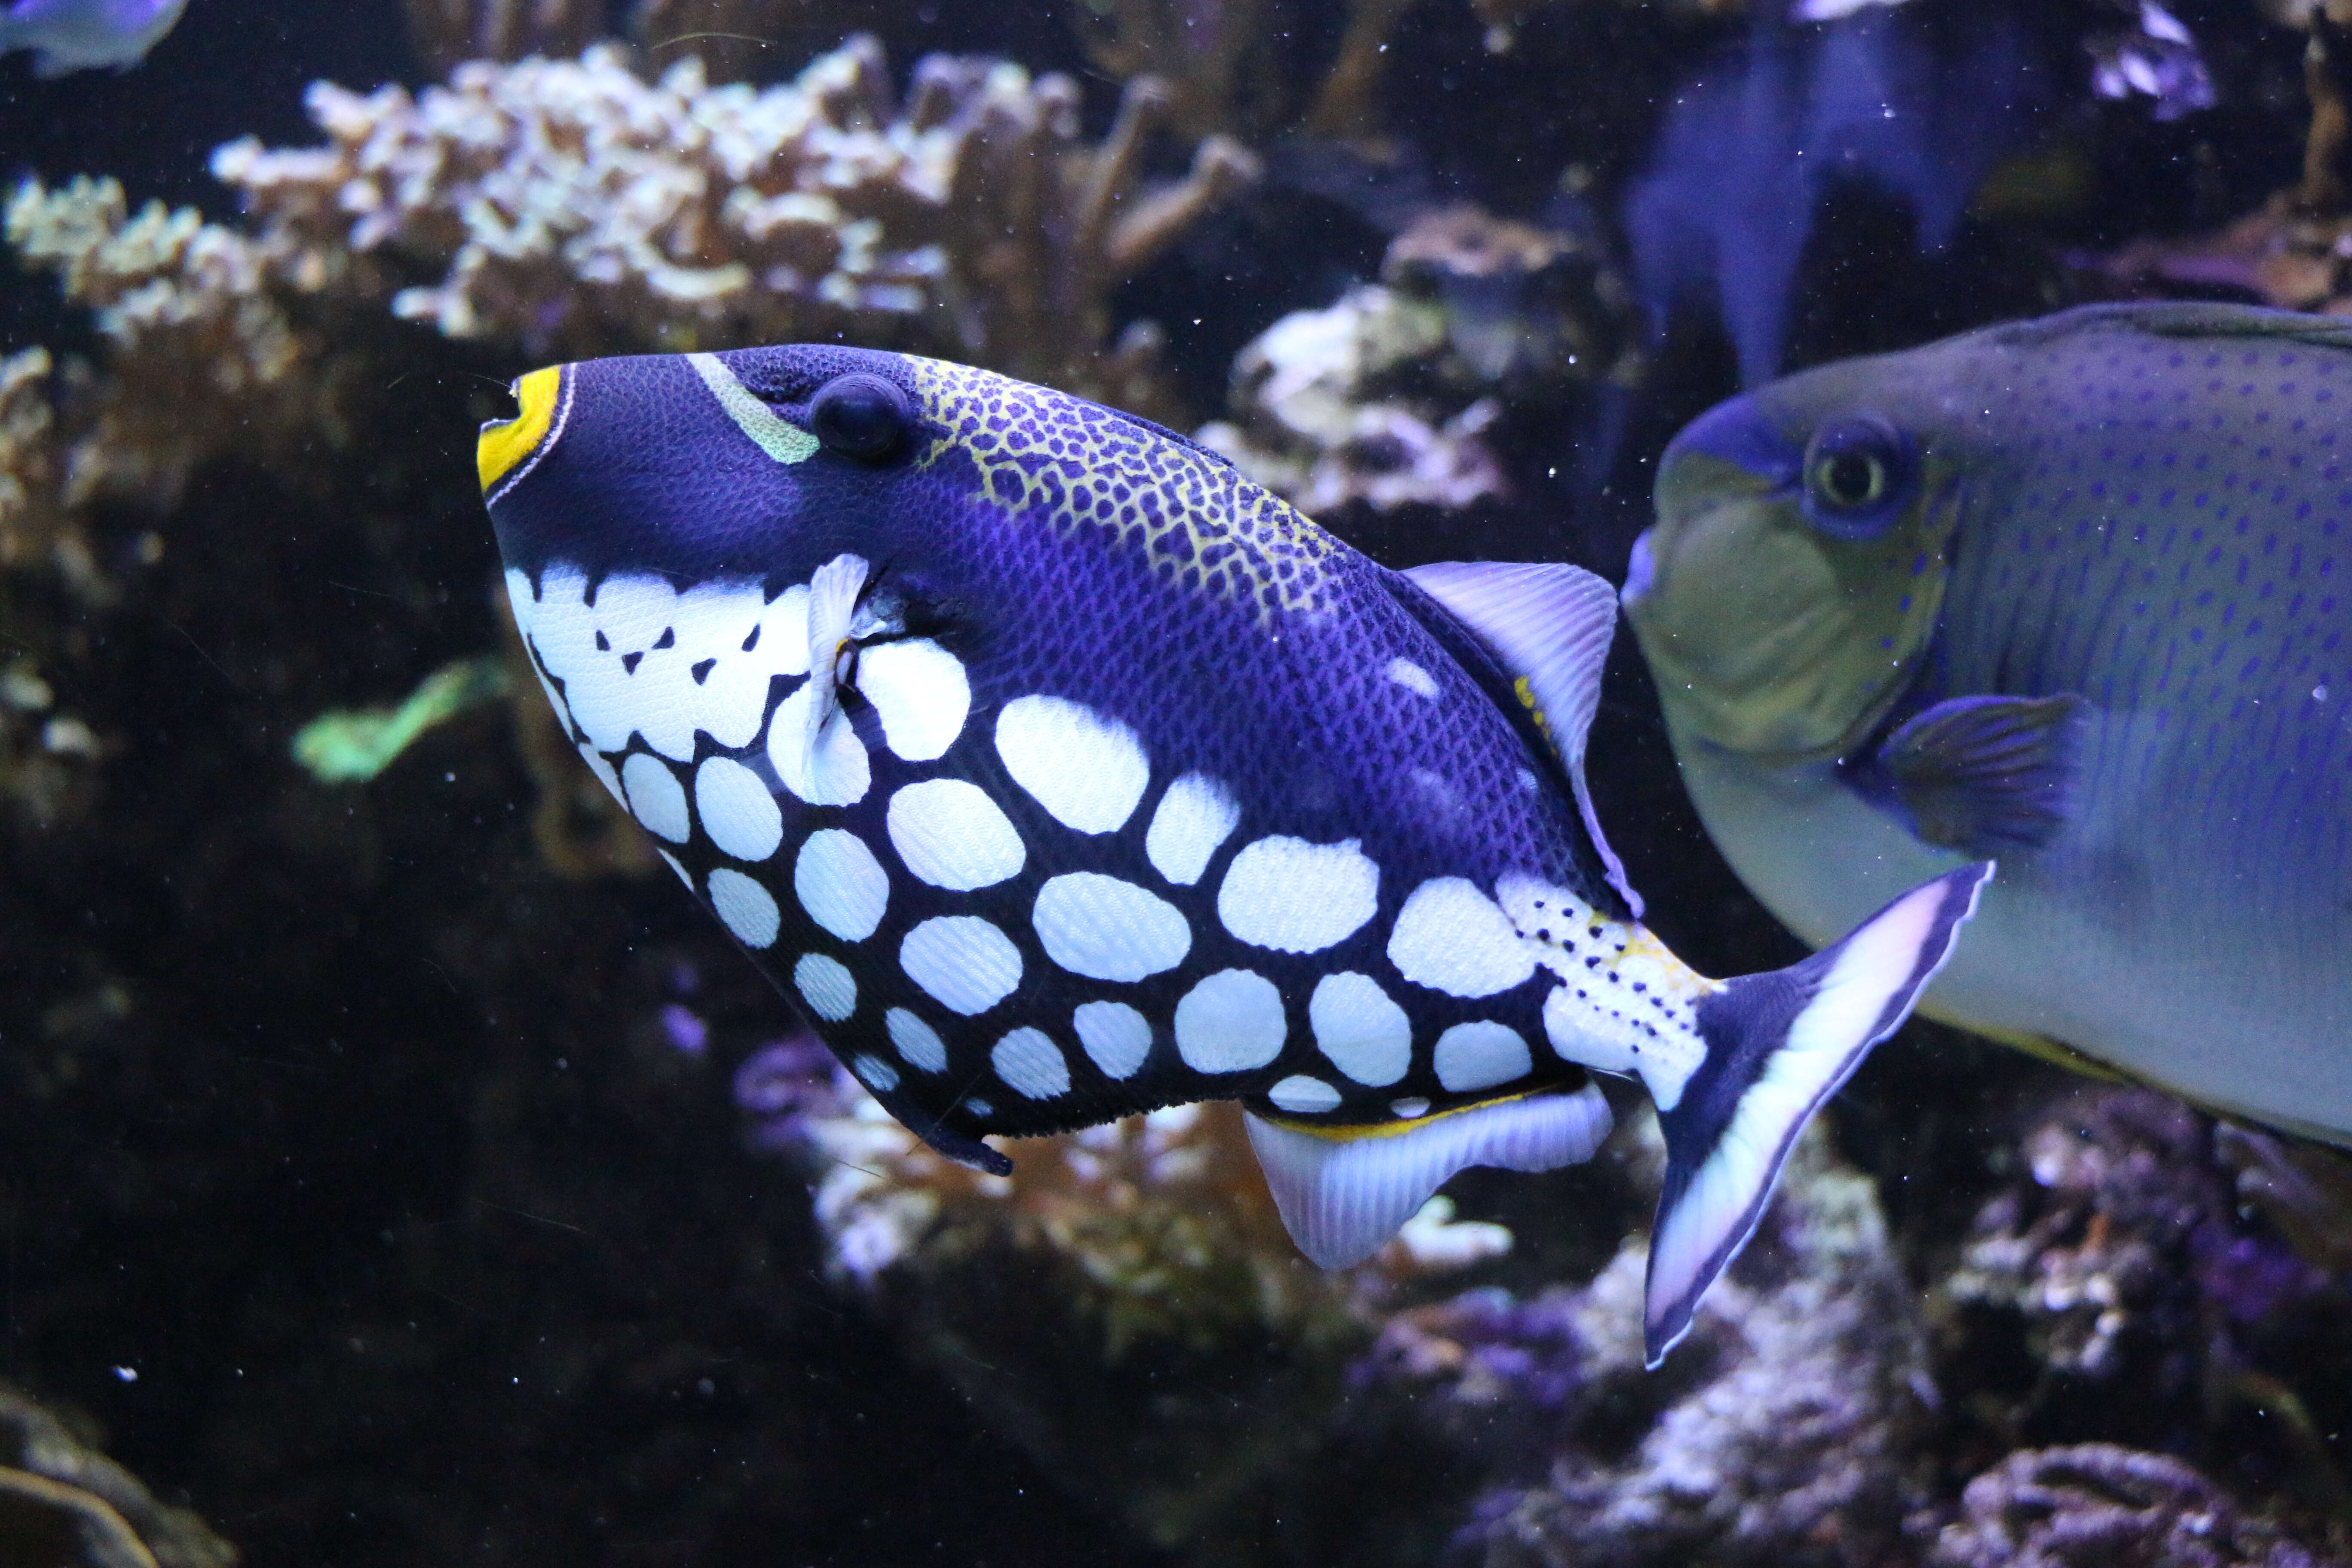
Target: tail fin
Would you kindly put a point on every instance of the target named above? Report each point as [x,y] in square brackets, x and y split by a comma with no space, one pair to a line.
[1777,1046]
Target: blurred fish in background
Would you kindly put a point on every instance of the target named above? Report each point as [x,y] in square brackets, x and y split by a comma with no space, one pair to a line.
[1821,93]
[86,35]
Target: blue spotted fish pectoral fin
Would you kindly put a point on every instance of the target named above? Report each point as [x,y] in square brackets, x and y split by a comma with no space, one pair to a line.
[1981,774]
[1552,626]
[1342,1192]
[1777,1046]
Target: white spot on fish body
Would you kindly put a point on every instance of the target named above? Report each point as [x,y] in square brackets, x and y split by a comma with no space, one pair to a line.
[1105,929]
[950,835]
[1195,814]
[920,693]
[917,1041]
[877,1074]
[1292,896]
[1480,1055]
[1231,1022]
[826,985]
[1412,678]
[1451,937]
[1030,1062]
[1367,1035]
[1412,1108]
[737,809]
[672,862]
[647,659]
[748,909]
[967,964]
[656,797]
[1088,771]
[1303,1096]
[840,884]
[1116,1037]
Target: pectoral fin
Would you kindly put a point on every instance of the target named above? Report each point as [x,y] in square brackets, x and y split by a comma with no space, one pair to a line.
[1982,774]
[1344,1190]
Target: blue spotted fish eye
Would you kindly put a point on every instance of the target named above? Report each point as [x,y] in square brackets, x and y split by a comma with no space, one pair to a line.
[859,416]
[1858,476]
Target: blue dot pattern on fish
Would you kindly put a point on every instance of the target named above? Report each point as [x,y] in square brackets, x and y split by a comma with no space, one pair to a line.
[2069,590]
[1059,772]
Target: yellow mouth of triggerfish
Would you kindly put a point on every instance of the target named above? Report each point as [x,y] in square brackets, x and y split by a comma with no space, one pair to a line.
[506,442]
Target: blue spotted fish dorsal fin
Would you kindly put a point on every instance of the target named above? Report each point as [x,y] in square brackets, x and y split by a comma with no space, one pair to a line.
[1342,1192]
[1777,1046]
[1552,626]
[1983,774]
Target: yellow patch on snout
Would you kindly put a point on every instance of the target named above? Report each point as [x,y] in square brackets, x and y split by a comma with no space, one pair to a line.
[509,442]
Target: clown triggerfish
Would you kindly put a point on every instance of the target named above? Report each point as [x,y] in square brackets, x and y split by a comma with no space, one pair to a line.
[2077,592]
[1060,772]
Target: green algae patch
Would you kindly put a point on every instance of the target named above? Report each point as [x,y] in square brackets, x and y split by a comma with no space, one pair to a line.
[353,746]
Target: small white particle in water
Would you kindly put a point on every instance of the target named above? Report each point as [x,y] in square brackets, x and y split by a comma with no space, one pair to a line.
[127,1373]
[2319,694]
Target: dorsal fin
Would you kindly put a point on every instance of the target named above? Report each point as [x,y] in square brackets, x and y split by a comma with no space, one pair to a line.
[1344,1190]
[1550,625]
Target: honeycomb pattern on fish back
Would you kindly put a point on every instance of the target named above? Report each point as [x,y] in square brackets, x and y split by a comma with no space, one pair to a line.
[1202,526]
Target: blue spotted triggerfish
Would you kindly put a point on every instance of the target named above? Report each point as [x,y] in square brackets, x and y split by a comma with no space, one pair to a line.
[2073,592]
[1058,773]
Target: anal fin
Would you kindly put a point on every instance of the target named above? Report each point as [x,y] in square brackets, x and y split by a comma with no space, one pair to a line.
[1344,1190]
[1777,1045]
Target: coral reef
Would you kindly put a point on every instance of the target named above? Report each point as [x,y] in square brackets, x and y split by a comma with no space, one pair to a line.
[1782,1431]
[2129,1263]
[573,208]
[1223,64]
[1126,1304]
[447,32]
[2095,1505]
[1387,397]
[2295,250]
[64,1505]
[204,360]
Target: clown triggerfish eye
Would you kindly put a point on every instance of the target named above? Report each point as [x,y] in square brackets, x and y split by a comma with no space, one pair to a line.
[1058,773]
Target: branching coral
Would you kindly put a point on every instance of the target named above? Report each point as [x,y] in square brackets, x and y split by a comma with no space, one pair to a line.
[203,358]
[1223,62]
[575,209]
[1387,396]
[445,32]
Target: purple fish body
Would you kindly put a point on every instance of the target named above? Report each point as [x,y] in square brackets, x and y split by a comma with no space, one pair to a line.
[1057,772]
